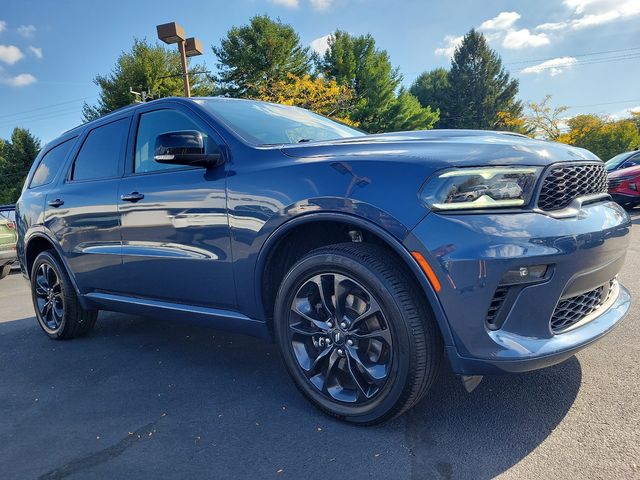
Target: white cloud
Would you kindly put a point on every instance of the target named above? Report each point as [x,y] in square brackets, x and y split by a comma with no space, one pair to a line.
[452,42]
[554,66]
[516,39]
[21,80]
[624,113]
[591,13]
[320,44]
[10,54]
[3,25]
[286,3]
[503,21]
[27,31]
[36,51]
[321,4]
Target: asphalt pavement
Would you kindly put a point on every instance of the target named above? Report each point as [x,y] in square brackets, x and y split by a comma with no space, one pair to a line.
[145,398]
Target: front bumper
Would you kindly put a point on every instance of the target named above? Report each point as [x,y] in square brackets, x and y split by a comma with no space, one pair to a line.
[470,254]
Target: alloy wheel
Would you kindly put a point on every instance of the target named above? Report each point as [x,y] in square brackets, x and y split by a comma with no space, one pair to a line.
[340,338]
[49,299]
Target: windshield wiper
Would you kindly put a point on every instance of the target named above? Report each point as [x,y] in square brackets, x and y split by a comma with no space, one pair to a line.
[305,140]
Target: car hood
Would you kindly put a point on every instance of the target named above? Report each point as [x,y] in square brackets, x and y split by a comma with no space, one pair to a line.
[444,148]
[625,172]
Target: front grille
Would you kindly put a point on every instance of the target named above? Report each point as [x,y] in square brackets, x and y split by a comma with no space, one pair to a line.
[563,183]
[571,310]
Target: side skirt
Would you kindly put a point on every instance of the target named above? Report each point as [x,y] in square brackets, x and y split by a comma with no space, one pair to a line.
[222,319]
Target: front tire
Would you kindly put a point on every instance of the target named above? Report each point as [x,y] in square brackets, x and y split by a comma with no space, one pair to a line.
[55,301]
[355,333]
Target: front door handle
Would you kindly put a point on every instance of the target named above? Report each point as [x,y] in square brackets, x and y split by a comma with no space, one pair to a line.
[132,197]
[55,203]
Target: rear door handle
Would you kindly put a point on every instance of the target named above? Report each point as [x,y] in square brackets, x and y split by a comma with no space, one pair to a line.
[132,197]
[55,203]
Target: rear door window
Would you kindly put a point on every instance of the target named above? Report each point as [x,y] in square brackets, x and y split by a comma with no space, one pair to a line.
[100,154]
[50,164]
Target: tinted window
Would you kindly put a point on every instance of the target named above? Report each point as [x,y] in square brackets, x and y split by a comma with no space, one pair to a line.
[101,151]
[50,164]
[270,123]
[151,125]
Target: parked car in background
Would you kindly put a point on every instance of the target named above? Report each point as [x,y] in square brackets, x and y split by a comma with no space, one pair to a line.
[346,249]
[624,185]
[623,160]
[8,238]
[502,190]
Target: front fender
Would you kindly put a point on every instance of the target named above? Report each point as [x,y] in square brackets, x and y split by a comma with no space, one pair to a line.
[395,241]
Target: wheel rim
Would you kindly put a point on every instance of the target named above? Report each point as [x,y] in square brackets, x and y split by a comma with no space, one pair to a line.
[340,338]
[48,293]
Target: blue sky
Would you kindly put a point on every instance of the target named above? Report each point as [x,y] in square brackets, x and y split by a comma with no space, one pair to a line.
[51,50]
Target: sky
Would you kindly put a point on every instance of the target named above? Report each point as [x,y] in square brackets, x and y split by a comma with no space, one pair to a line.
[585,53]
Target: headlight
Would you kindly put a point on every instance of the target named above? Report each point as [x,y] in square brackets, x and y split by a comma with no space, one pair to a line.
[486,187]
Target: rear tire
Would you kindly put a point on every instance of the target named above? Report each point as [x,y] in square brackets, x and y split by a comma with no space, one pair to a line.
[4,271]
[370,352]
[55,301]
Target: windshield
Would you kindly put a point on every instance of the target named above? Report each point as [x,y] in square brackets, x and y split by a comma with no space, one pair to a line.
[263,123]
[616,161]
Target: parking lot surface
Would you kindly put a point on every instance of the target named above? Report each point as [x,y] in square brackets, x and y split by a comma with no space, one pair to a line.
[145,398]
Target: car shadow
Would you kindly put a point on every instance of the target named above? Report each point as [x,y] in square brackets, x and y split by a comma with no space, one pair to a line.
[177,400]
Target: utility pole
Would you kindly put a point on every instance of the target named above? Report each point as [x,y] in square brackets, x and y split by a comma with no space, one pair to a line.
[188,47]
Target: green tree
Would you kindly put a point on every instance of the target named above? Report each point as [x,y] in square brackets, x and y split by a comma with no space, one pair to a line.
[606,138]
[479,87]
[260,53]
[431,88]
[543,119]
[406,113]
[16,157]
[149,67]
[355,62]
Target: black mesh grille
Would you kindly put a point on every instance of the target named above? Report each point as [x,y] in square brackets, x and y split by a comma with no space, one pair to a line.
[572,310]
[496,303]
[563,183]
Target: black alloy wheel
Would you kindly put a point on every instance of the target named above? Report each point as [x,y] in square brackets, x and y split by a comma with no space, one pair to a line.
[49,299]
[340,337]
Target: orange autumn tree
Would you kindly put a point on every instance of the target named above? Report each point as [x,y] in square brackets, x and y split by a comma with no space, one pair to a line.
[318,94]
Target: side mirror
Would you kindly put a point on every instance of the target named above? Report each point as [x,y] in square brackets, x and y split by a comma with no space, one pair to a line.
[186,148]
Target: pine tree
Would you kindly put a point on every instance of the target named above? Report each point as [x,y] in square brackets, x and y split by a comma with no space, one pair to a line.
[355,62]
[16,157]
[431,88]
[263,52]
[479,87]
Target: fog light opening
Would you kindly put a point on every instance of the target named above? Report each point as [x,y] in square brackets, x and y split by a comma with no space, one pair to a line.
[524,274]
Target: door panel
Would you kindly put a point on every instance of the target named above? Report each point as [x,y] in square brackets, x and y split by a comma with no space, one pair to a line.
[88,229]
[176,244]
[81,211]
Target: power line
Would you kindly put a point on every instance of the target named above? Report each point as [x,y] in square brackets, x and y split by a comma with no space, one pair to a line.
[45,107]
[47,116]
[573,56]
[579,63]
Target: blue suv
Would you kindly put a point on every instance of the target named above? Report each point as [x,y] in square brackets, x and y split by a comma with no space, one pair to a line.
[367,258]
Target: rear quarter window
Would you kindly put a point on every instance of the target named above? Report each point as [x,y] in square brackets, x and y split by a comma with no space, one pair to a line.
[50,164]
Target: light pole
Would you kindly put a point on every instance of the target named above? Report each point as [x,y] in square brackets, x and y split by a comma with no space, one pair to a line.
[188,47]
